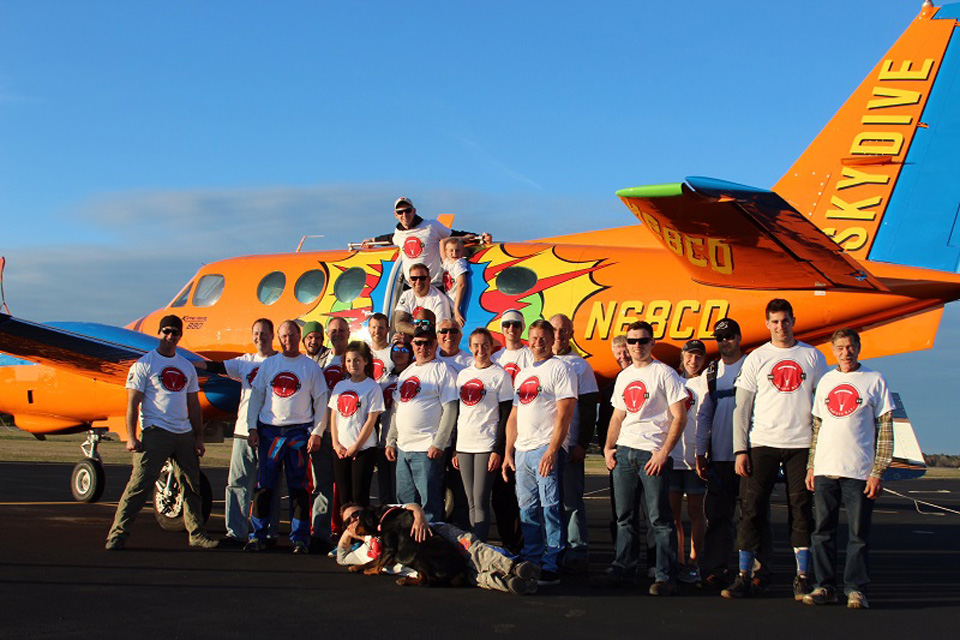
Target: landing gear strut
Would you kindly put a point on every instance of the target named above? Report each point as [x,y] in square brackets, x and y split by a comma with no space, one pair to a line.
[87,480]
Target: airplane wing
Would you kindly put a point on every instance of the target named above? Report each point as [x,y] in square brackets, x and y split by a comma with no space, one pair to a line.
[731,235]
[92,350]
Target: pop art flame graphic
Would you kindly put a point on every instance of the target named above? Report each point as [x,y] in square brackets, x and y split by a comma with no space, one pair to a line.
[348,294]
[539,285]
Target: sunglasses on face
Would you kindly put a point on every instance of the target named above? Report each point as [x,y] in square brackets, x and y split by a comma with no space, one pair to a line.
[422,322]
[170,332]
[418,278]
[640,341]
[725,338]
[448,330]
[401,212]
[399,349]
[353,517]
[511,324]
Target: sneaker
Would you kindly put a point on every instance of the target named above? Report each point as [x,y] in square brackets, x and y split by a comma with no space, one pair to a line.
[715,581]
[204,542]
[255,545]
[661,588]
[301,548]
[115,543]
[526,570]
[760,584]
[610,580]
[801,588]
[522,586]
[856,600]
[548,578]
[229,542]
[821,595]
[742,587]
[689,574]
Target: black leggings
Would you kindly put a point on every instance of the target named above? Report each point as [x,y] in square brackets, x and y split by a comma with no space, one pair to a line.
[755,496]
[354,475]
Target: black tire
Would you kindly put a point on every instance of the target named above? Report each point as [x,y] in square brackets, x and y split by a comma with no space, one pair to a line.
[87,481]
[169,512]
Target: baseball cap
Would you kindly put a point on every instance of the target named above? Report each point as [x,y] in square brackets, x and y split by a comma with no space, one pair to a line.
[310,327]
[512,315]
[726,328]
[171,321]
[403,200]
[425,332]
[694,345]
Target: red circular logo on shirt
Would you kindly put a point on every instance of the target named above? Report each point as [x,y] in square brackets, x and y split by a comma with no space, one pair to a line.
[416,311]
[172,379]
[529,390]
[412,247]
[252,375]
[409,389]
[843,400]
[378,368]
[787,376]
[635,395]
[348,403]
[447,281]
[333,374]
[285,384]
[472,392]
[388,396]
[513,369]
[688,403]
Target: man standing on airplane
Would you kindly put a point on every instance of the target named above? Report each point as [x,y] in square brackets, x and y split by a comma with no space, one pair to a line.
[772,427]
[852,446]
[288,401]
[162,390]
[419,239]
[423,295]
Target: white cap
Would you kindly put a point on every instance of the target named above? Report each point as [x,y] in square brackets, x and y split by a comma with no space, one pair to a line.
[512,315]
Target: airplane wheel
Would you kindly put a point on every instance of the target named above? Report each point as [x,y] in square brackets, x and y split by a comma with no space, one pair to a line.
[87,481]
[168,505]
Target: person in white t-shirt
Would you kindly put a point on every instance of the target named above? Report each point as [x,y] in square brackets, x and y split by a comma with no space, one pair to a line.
[423,295]
[486,398]
[288,401]
[772,427]
[456,271]
[545,396]
[513,357]
[379,328]
[649,416]
[448,336]
[683,478]
[583,423]
[851,448]
[162,390]
[242,477]
[419,239]
[355,404]
[424,416]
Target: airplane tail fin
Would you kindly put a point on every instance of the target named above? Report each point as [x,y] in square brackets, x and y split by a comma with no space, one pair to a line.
[881,178]
[908,459]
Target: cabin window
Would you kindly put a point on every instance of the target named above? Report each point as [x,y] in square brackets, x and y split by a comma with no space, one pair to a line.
[514,281]
[348,286]
[208,291]
[181,299]
[309,286]
[270,288]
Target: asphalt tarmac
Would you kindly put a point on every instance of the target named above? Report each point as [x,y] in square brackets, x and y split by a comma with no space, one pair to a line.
[57,581]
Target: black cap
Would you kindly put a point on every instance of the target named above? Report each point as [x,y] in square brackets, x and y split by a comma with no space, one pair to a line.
[694,345]
[424,332]
[726,328]
[171,321]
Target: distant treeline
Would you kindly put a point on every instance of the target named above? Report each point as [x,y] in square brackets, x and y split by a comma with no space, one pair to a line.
[941,460]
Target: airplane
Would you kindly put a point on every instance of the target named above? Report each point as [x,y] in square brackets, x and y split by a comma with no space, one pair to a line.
[858,232]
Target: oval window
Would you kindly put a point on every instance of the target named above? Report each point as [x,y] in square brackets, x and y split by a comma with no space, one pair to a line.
[270,288]
[309,286]
[183,297]
[516,280]
[349,285]
[208,291]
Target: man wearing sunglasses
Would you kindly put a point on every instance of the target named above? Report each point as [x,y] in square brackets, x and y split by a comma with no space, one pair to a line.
[425,413]
[773,427]
[451,354]
[162,390]
[515,355]
[649,401]
[419,239]
[423,295]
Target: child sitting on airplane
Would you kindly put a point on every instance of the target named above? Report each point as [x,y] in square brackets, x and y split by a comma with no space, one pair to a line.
[455,271]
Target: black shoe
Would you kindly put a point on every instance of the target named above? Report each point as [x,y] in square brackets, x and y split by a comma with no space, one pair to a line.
[661,588]
[548,578]
[521,586]
[715,581]
[742,587]
[801,588]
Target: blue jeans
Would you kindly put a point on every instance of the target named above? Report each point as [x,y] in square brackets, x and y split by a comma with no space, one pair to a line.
[575,511]
[628,478]
[241,481]
[286,448]
[420,480]
[541,509]
[828,494]
[320,512]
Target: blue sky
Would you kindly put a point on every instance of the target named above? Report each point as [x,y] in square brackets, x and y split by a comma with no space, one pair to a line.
[140,140]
